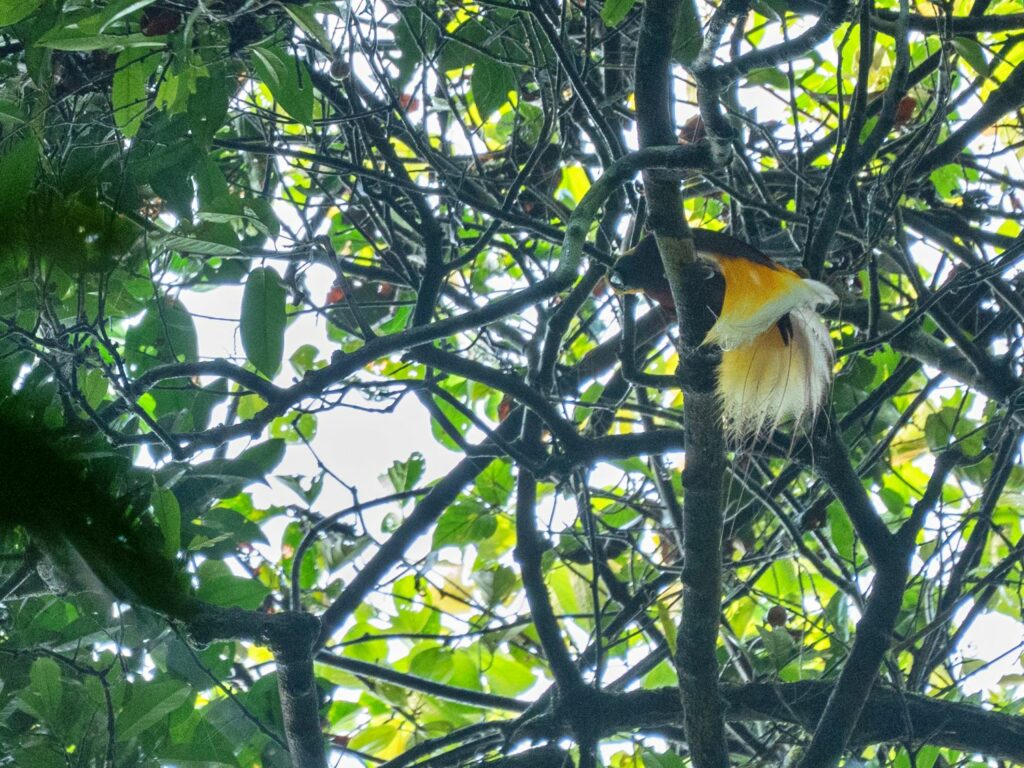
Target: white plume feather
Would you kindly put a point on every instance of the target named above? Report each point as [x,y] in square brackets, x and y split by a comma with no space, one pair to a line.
[765,382]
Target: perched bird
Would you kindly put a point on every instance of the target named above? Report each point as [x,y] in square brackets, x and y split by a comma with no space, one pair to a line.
[776,352]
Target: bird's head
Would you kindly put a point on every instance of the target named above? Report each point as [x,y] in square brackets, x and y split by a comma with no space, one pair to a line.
[641,270]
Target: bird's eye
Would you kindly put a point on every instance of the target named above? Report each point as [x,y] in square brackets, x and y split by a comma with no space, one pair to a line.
[615,280]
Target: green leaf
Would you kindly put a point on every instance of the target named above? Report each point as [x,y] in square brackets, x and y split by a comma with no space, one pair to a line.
[768,76]
[614,11]
[688,37]
[295,483]
[93,386]
[946,179]
[938,428]
[150,703]
[841,531]
[45,684]
[13,11]
[838,614]
[780,645]
[972,52]
[491,83]
[209,100]
[166,334]
[168,517]
[129,92]
[221,524]
[303,359]
[205,747]
[18,167]
[433,664]
[117,11]
[263,320]
[261,459]
[70,39]
[404,475]
[306,20]
[219,586]
[455,526]
[494,485]
[374,738]
[498,582]
[11,114]
[662,760]
[194,245]
[508,677]
[280,73]
[40,756]
[412,34]
[246,216]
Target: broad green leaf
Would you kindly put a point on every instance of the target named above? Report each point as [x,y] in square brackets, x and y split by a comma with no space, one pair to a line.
[453,527]
[194,245]
[247,216]
[71,40]
[780,579]
[295,483]
[433,664]
[307,22]
[168,517]
[497,582]
[11,114]
[129,92]
[688,37]
[263,320]
[938,428]
[841,531]
[972,52]
[837,611]
[495,483]
[491,83]
[662,760]
[404,475]
[614,11]
[203,745]
[947,179]
[221,524]
[167,334]
[410,32]
[293,428]
[304,359]
[219,586]
[46,687]
[18,167]
[118,10]
[780,645]
[508,677]
[93,386]
[150,703]
[13,11]
[376,738]
[39,756]
[768,76]
[281,74]
[262,458]
[208,102]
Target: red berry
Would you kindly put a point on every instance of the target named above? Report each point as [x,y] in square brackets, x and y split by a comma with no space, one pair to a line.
[905,110]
